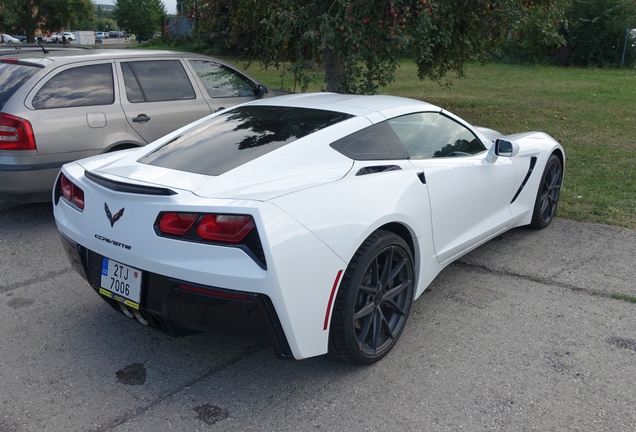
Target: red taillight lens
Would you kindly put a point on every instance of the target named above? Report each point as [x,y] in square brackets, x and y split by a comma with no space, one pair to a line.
[177,223]
[67,188]
[225,228]
[71,192]
[15,133]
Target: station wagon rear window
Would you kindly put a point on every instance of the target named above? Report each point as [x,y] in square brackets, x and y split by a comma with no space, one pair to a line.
[12,76]
[239,136]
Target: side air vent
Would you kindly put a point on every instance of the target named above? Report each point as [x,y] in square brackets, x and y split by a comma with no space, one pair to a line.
[127,187]
[377,169]
[533,162]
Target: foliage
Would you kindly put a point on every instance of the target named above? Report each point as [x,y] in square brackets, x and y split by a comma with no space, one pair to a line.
[140,17]
[27,16]
[597,31]
[358,42]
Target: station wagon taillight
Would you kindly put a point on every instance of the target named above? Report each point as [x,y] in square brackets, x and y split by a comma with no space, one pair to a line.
[15,133]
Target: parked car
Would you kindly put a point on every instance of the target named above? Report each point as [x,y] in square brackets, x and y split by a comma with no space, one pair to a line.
[69,104]
[316,219]
[101,35]
[69,36]
[5,38]
[21,38]
[53,38]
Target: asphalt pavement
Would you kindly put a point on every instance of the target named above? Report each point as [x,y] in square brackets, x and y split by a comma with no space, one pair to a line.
[522,334]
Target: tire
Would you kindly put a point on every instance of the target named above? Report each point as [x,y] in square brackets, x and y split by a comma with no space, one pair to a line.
[548,194]
[373,304]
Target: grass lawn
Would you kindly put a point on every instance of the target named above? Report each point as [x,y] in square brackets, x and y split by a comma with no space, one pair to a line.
[592,112]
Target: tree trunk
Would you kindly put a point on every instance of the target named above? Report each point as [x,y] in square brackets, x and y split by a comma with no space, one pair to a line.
[29,23]
[334,70]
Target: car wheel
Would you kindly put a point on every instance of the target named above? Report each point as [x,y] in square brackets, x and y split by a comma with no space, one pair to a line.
[548,193]
[374,300]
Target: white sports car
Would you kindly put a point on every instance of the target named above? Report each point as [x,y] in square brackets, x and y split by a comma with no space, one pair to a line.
[316,219]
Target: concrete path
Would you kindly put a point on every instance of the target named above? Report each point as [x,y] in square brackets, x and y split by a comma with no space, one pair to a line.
[521,334]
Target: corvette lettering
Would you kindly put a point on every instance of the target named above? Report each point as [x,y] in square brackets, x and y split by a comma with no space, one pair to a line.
[113,242]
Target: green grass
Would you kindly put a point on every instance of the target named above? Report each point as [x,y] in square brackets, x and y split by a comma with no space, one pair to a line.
[624,297]
[592,112]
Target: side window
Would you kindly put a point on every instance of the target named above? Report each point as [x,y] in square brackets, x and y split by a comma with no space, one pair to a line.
[156,81]
[431,135]
[377,142]
[77,87]
[220,81]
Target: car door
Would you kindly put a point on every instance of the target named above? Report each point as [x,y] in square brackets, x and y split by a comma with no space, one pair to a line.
[159,96]
[469,196]
[223,86]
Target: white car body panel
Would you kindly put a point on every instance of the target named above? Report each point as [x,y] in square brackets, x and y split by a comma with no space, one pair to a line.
[313,209]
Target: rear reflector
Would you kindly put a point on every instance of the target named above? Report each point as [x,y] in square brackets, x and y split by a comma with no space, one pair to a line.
[214,293]
[15,133]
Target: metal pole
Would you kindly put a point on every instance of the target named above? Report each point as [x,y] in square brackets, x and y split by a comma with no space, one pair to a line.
[625,46]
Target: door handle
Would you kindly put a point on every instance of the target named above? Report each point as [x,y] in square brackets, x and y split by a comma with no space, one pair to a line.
[141,118]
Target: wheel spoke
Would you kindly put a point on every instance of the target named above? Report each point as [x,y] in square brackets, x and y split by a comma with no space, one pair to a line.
[364,330]
[396,270]
[369,290]
[365,311]
[389,297]
[377,330]
[386,324]
[386,270]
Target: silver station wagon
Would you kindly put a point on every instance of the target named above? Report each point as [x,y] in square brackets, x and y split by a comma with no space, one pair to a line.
[60,106]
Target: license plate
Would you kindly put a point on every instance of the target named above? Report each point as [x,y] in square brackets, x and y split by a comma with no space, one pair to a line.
[121,282]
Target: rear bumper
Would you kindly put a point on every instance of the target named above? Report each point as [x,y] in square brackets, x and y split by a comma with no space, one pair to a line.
[28,183]
[168,307]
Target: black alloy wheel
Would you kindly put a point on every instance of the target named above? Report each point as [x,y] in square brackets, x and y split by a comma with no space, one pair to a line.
[374,300]
[548,193]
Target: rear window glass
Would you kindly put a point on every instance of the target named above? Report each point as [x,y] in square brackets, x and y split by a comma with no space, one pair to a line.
[239,136]
[12,76]
[77,87]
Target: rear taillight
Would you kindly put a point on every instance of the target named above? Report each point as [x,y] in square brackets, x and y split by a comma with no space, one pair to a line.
[71,192]
[15,133]
[177,223]
[218,229]
[224,228]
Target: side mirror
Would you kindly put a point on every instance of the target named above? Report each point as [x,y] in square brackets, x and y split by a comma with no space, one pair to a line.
[502,148]
[262,90]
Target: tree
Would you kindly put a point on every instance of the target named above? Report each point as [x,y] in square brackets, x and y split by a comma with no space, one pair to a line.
[27,16]
[141,17]
[359,42]
[597,31]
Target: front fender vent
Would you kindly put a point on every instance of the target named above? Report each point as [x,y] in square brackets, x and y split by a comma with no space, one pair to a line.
[377,169]
[533,162]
